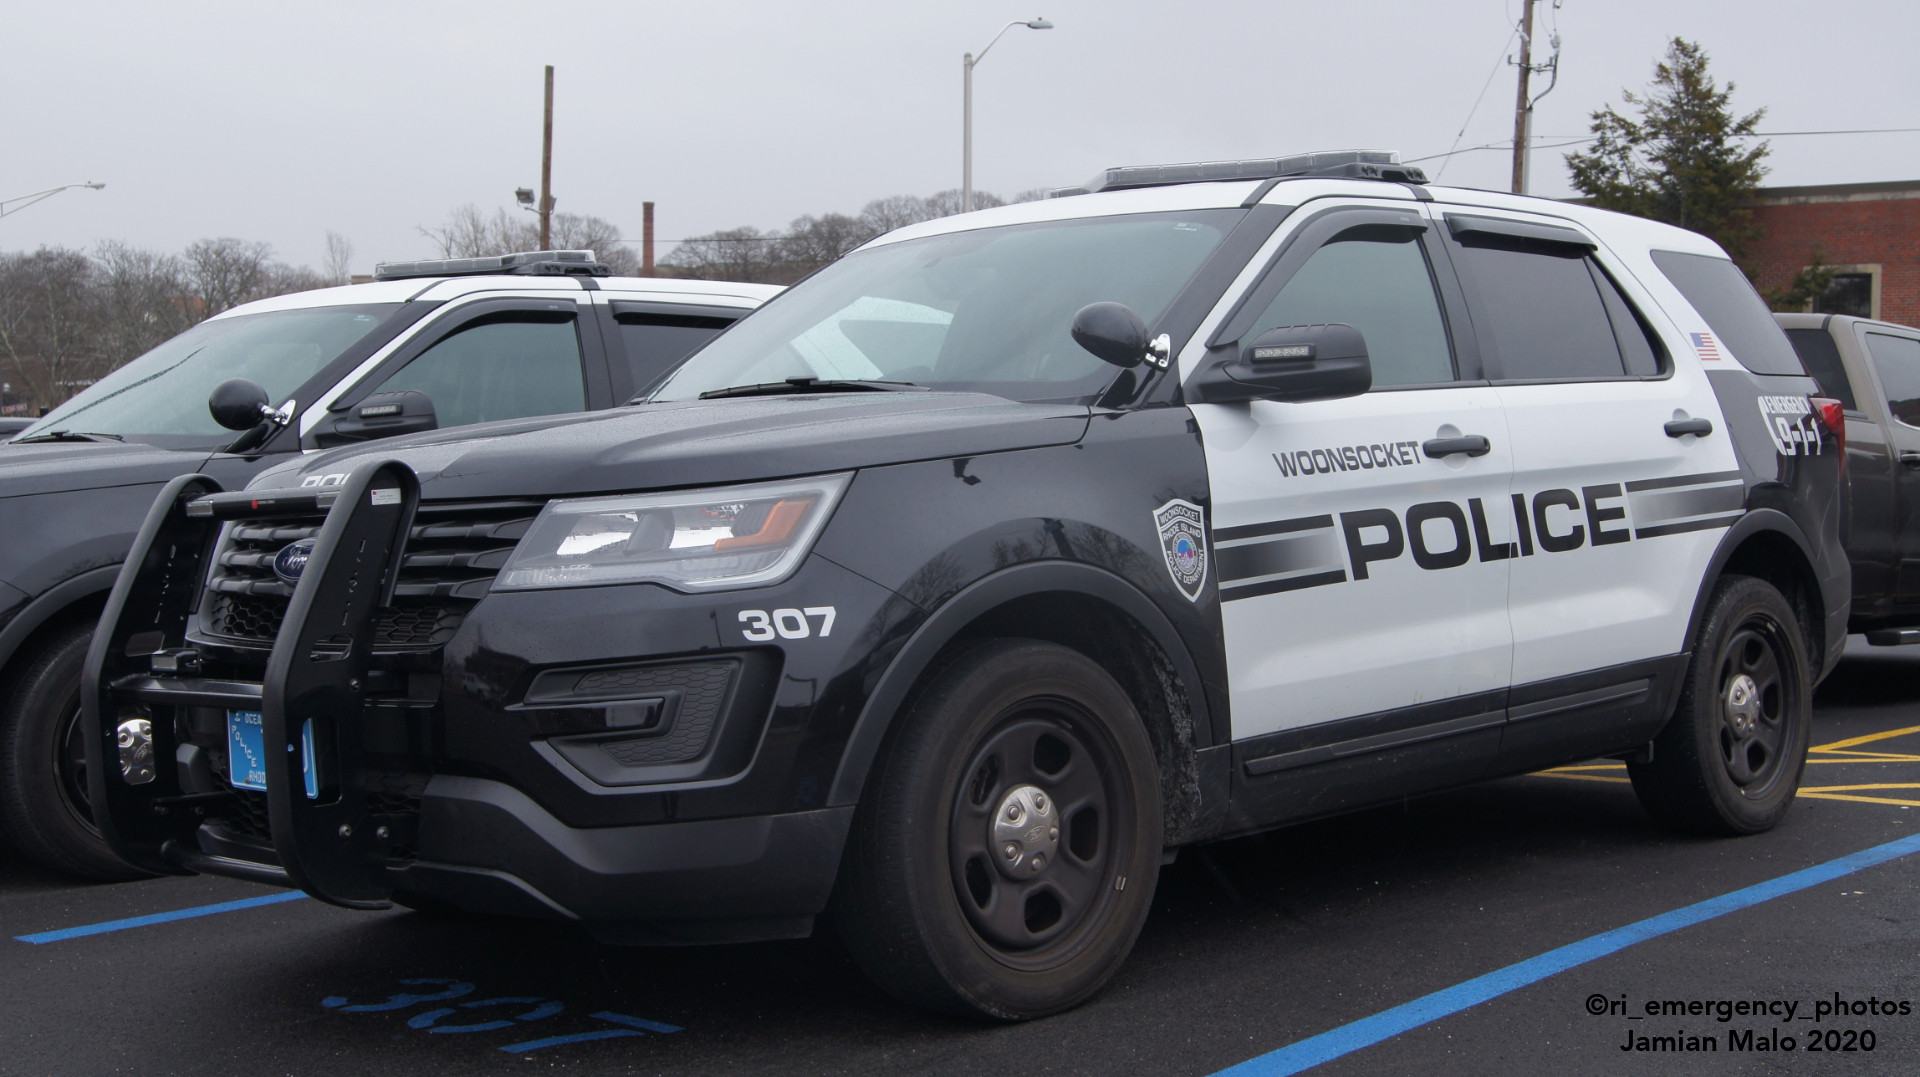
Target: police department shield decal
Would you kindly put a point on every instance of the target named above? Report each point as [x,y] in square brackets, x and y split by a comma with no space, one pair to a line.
[1183,539]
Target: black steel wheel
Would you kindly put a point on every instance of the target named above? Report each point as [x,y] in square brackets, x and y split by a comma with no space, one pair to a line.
[1731,757]
[1006,853]
[43,765]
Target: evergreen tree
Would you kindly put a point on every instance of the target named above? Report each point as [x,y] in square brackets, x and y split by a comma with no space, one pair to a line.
[1684,160]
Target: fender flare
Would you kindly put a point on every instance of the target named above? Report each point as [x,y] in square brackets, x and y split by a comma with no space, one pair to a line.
[49,604]
[1753,523]
[946,623]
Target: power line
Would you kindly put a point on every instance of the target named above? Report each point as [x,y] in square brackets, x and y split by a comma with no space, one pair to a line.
[1507,144]
[1476,101]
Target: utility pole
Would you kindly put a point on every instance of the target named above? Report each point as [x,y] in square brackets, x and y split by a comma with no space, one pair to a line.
[546,161]
[1522,111]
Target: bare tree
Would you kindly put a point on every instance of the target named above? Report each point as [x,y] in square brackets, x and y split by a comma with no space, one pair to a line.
[339,265]
[811,242]
[225,273]
[48,323]
[740,254]
[470,233]
[142,297]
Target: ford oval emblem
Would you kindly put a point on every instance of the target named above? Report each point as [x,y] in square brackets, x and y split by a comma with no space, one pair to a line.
[291,561]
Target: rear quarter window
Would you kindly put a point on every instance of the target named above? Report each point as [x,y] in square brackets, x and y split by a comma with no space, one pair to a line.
[1822,357]
[1733,310]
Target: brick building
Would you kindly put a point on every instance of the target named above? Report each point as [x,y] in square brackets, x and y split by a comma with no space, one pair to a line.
[1868,232]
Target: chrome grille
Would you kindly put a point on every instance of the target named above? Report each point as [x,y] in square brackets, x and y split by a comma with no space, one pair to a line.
[452,554]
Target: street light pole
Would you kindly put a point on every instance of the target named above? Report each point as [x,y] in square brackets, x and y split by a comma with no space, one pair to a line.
[546,170]
[966,108]
[7,205]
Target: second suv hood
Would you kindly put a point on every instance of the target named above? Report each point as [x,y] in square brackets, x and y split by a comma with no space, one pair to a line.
[702,442]
[61,466]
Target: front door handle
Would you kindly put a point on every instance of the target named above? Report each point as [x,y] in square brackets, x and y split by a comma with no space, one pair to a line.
[1910,459]
[1471,444]
[1680,428]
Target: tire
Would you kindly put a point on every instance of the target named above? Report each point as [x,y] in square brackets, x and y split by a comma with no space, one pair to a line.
[1729,760]
[1009,735]
[43,779]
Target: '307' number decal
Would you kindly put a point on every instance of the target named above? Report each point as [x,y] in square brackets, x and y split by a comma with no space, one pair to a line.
[762,625]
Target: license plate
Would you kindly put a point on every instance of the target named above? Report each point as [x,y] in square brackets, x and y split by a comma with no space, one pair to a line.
[246,750]
[247,753]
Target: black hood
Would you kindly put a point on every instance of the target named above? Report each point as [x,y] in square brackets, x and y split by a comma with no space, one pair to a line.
[64,466]
[702,443]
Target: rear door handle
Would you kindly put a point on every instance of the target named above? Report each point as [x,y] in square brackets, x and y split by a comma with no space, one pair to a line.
[1471,444]
[1910,459]
[1680,428]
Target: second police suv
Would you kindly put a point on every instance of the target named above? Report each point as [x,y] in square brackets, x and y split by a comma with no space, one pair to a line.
[953,589]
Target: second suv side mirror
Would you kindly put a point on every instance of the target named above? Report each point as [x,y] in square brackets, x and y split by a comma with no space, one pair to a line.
[1294,363]
[381,415]
[239,404]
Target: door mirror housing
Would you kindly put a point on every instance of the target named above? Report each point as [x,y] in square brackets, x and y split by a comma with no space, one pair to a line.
[239,404]
[381,415]
[1113,332]
[1293,363]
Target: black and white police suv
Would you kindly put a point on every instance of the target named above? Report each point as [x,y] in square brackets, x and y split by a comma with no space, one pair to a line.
[955,587]
[426,345]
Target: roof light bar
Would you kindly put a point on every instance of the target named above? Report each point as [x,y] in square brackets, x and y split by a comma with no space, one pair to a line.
[1349,164]
[523,263]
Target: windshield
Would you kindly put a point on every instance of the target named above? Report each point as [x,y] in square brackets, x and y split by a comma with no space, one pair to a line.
[163,394]
[988,310]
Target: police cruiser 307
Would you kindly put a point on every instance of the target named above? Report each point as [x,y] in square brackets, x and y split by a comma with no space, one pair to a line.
[951,590]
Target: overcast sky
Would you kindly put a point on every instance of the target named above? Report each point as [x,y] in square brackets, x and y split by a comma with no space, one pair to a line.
[277,122]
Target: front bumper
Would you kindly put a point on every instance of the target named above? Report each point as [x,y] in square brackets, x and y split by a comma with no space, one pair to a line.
[462,775]
[487,847]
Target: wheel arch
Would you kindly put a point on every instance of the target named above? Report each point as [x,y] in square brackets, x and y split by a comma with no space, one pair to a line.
[1767,544]
[63,603]
[1078,606]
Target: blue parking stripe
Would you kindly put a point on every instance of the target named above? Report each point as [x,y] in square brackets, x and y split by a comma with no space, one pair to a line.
[159,918]
[1387,1024]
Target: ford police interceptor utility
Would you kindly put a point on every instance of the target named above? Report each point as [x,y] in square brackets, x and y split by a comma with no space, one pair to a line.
[953,588]
[426,345]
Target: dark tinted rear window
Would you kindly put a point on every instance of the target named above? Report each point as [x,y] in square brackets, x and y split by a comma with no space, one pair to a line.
[1726,299]
[1545,312]
[1898,361]
[1822,357]
[655,343]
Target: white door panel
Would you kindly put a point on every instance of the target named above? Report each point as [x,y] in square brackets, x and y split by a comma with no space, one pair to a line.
[1327,607]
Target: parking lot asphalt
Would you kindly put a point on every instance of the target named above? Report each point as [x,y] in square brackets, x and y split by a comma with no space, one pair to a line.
[1479,931]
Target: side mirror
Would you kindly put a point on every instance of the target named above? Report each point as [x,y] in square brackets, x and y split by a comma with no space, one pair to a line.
[1113,332]
[1294,363]
[381,415]
[239,404]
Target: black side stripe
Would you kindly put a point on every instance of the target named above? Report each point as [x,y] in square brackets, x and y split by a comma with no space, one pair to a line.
[1687,525]
[1274,527]
[1681,480]
[1292,583]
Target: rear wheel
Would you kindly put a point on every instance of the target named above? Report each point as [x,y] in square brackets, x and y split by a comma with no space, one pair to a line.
[1731,757]
[1005,856]
[43,765]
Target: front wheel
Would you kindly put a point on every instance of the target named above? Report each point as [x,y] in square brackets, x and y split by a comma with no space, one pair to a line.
[43,765]
[1730,759]
[1006,853]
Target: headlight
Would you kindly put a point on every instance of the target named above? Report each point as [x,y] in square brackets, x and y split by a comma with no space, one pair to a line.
[691,540]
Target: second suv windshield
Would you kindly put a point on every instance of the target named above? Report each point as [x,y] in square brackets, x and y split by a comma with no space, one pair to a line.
[989,310]
[163,394]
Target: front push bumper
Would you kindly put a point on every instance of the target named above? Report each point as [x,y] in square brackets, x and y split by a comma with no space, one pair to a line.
[336,830]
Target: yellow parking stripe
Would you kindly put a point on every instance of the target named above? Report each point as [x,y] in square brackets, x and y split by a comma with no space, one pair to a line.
[1868,738]
[1855,788]
[1579,777]
[1860,800]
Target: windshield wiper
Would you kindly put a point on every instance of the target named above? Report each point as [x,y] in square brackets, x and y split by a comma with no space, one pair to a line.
[814,385]
[68,435]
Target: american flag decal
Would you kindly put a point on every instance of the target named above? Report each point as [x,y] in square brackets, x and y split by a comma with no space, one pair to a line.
[1705,345]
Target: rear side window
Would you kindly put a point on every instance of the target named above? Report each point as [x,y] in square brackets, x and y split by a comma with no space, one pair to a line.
[1550,313]
[1897,360]
[1822,358]
[655,343]
[1726,299]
